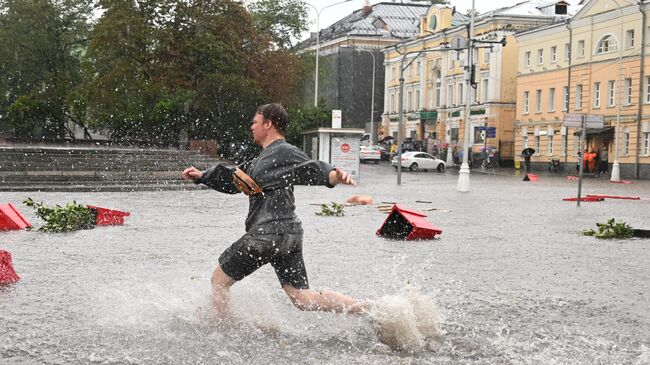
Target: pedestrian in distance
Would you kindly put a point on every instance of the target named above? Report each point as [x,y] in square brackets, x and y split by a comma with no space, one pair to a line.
[604,159]
[273,231]
[598,163]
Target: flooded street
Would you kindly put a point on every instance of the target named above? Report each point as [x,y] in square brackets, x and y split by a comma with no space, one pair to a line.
[513,280]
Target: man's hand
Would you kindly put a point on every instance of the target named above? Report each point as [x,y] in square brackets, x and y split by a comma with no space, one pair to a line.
[339,176]
[192,173]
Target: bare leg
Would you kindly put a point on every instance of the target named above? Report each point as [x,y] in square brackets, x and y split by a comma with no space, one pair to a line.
[221,284]
[324,300]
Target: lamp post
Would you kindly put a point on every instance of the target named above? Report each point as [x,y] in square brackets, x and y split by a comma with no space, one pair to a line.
[616,169]
[318,43]
[463,175]
[400,103]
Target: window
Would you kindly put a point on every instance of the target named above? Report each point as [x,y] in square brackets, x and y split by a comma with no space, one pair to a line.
[628,91]
[538,101]
[540,56]
[626,142]
[392,103]
[565,98]
[438,87]
[450,93]
[485,84]
[567,51]
[563,142]
[418,68]
[549,143]
[524,136]
[527,59]
[486,55]
[554,54]
[526,94]
[478,136]
[551,99]
[461,96]
[629,38]
[537,144]
[597,95]
[610,92]
[409,101]
[645,139]
[581,48]
[578,97]
[417,100]
[606,44]
[647,89]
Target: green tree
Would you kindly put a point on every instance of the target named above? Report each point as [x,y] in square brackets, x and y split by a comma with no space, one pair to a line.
[282,20]
[41,42]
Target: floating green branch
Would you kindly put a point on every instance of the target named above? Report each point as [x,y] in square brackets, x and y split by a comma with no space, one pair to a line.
[611,229]
[335,211]
[59,219]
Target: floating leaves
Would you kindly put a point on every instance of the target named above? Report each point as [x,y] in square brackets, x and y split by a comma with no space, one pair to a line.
[611,229]
[59,219]
[335,211]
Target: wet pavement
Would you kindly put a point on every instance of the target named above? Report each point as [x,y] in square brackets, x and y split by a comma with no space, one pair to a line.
[514,281]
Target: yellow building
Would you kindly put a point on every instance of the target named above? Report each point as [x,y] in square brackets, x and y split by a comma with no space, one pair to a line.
[434,83]
[592,64]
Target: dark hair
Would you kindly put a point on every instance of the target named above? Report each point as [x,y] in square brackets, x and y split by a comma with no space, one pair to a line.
[277,115]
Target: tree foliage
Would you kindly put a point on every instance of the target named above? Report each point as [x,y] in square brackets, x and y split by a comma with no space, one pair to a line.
[146,70]
[41,42]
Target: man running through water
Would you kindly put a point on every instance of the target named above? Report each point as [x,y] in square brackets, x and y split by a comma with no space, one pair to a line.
[273,231]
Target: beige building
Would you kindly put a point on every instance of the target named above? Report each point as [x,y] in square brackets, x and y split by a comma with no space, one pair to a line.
[434,83]
[596,64]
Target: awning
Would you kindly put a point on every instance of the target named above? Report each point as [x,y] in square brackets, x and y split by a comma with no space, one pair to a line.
[595,131]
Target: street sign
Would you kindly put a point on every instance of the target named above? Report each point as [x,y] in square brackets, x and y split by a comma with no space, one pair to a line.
[458,42]
[574,120]
[336,118]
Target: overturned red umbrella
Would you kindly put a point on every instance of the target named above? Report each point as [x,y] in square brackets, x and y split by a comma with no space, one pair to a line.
[7,273]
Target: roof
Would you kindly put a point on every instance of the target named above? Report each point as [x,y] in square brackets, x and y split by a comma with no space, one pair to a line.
[530,8]
[388,20]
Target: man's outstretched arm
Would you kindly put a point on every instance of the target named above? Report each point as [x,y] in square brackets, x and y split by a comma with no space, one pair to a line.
[218,178]
[340,176]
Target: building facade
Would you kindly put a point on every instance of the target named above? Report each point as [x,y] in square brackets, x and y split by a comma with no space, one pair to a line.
[434,83]
[348,51]
[600,68]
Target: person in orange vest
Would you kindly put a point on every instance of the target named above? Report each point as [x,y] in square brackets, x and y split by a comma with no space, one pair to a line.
[592,160]
[585,160]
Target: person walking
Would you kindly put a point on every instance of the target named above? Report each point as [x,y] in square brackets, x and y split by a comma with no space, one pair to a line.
[274,233]
[604,159]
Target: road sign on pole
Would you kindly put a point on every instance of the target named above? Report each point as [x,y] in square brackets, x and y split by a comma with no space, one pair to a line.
[574,120]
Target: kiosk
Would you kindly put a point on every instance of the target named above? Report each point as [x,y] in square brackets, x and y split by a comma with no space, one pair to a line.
[336,146]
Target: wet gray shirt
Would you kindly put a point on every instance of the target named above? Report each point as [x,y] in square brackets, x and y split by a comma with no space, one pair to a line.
[276,170]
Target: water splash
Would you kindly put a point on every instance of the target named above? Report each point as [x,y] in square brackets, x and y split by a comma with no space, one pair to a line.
[407,321]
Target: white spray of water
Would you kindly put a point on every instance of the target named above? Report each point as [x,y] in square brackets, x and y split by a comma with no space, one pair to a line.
[407,321]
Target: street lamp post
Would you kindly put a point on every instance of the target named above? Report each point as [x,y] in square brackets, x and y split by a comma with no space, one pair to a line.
[318,44]
[463,176]
[616,169]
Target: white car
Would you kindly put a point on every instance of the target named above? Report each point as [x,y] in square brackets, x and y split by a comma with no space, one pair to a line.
[369,154]
[415,161]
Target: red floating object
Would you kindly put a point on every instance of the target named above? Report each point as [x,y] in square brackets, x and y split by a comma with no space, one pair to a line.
[108,217]
[7,273]
[615,197]
[585,199]
[407,224]
[622,182]
[11,219]
[572,178]
[531,177]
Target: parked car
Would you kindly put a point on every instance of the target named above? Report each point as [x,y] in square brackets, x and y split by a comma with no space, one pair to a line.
[415,161]
[383,152]
[369,154]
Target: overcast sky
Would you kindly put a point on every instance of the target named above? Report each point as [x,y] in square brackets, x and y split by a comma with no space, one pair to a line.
[336,12]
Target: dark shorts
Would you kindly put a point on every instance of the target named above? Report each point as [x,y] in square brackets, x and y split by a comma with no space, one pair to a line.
[252,251]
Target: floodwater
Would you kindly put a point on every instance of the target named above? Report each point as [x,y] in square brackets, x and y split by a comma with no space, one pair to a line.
[512,279]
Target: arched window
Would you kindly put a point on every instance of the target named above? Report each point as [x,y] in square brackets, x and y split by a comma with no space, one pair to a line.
[607,44]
